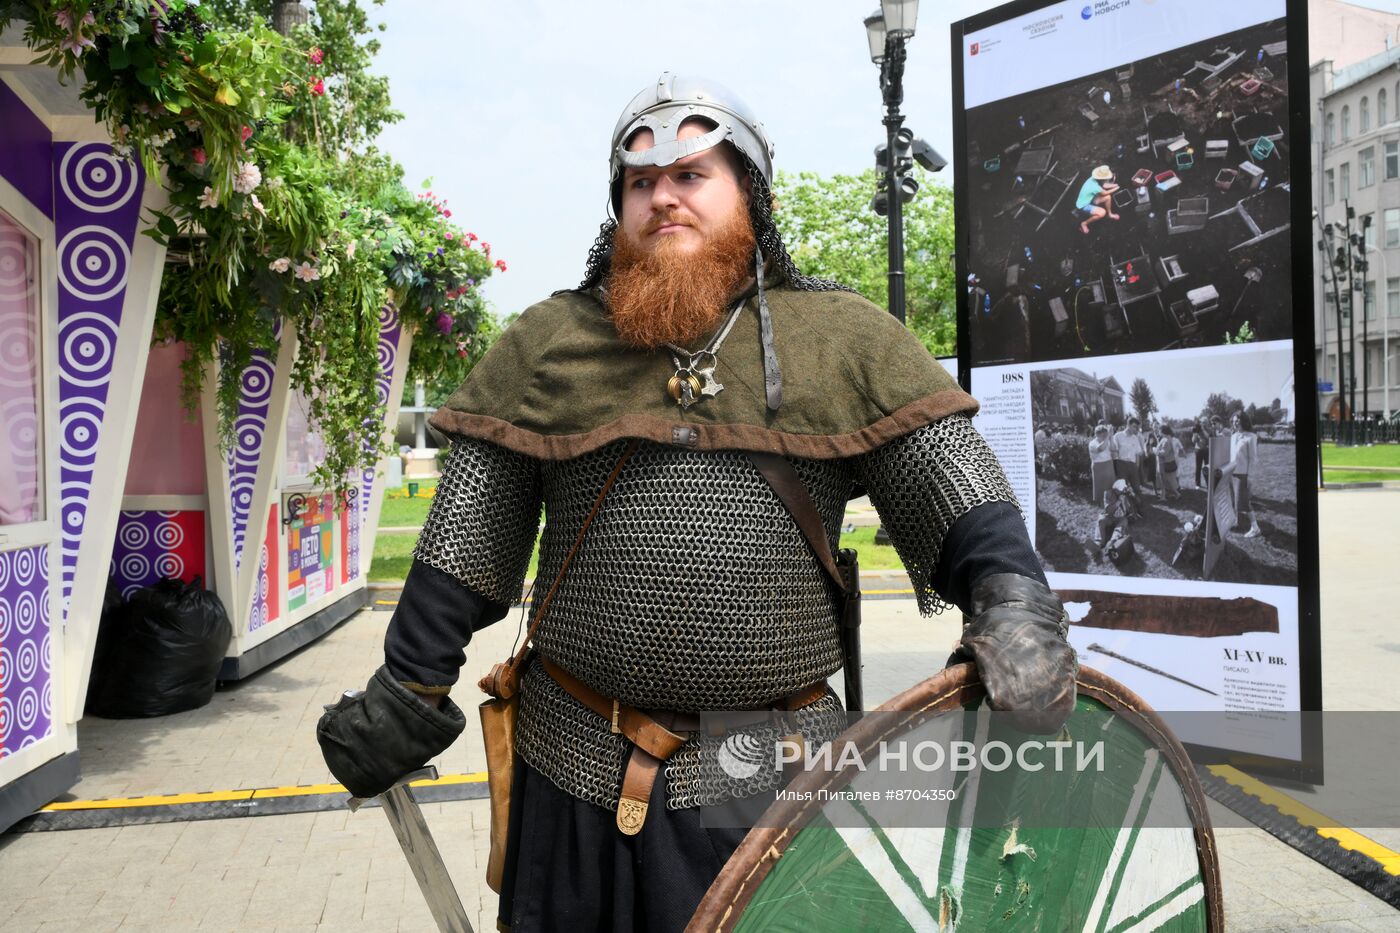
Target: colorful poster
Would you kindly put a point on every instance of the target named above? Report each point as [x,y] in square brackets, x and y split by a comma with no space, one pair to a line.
[1124,209]
[154,545]
[264,609]
[26,649]
[310,554]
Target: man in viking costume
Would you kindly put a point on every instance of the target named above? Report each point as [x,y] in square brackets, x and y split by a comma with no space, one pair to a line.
[655,413]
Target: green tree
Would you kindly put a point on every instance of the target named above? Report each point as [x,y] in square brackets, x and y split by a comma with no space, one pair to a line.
[831,231]
[1143,402]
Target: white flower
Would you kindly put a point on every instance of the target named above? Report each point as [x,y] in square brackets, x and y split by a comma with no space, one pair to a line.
[209,198]
[281,264]
[191,125]
[257,205]
[307,272]
[350,249]
[275,183]
[249,177]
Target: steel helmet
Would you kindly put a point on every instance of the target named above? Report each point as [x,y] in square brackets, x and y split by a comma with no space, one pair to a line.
[669,102]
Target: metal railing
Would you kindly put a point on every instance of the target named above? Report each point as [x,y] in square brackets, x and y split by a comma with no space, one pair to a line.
[1358,432]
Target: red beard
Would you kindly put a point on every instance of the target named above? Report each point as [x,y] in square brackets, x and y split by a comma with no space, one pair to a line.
[665,295]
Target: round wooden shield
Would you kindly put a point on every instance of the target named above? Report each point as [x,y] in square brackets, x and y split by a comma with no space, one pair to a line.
[1146,862]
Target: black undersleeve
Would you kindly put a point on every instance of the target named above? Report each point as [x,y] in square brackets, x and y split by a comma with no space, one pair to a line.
[432,624]
[990,538]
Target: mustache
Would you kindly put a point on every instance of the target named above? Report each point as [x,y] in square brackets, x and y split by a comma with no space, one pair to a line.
[662,220]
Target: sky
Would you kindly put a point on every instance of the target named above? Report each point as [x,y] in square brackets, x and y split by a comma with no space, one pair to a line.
[1255,375]
[509,106]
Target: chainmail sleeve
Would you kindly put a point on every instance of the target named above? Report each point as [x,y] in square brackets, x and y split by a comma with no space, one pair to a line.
[921,484]
[484,519]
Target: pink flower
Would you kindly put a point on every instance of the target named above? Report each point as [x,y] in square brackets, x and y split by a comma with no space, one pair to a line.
[486,248]
[501,264]
[317,88]
[199,157]
[249,177]
[209,199]
[307,272]
[448,234]
[444,323]
[64,19]
[281,264]
[244,133]
[447,213]
[89,19]
[77,44]
[471,237]
[315,56]
[350,249]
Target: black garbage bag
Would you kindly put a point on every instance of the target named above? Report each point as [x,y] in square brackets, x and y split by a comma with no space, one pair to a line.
[159,652]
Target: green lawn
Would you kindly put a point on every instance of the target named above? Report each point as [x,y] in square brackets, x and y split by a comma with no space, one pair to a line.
[1381,455]
[398,512]
[1341,477]
[394,552]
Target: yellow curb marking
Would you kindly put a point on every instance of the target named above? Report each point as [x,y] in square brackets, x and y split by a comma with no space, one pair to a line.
[261,793]
[1325,826]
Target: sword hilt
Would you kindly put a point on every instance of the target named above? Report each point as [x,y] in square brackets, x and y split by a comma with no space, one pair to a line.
[426,773]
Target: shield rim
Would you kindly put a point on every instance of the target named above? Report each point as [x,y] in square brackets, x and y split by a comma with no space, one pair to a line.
[732,890]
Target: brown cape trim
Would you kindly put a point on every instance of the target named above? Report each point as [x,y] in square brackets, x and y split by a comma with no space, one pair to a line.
[730,893]
[701,436]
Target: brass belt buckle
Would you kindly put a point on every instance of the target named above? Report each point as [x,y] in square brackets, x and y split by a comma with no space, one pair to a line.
[616,729]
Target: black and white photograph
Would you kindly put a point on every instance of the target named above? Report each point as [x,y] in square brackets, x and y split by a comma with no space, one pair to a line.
[1141,208]
[1124,451]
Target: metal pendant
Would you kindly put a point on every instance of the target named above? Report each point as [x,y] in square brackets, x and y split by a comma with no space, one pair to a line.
[712,386]
[684,387]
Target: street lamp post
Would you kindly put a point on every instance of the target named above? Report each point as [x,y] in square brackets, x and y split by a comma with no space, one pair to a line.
[888,30]
[1383,281]
[1338,263]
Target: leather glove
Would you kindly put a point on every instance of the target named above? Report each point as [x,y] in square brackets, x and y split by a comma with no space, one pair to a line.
[372,739]
[1017,638]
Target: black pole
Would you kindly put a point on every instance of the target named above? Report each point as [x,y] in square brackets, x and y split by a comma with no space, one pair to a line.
[1365,357]
[892,87]
[1332,259]
[1351,338]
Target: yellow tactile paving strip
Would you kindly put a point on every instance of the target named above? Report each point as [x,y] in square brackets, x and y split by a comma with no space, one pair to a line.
[259,793]
[1325,826]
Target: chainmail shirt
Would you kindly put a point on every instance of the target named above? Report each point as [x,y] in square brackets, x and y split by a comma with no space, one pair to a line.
[694,589]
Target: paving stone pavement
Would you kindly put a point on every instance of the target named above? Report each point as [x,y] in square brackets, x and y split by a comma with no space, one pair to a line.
[338,871]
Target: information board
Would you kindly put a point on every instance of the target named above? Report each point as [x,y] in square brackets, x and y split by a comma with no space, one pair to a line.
[1132,206]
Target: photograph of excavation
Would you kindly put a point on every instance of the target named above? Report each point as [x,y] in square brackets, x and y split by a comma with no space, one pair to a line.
[1142,208]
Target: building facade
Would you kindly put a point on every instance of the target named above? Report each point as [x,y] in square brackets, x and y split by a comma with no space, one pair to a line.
[1356,189]
[1072,399]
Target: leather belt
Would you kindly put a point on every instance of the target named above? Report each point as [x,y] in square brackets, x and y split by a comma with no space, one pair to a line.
[656,738]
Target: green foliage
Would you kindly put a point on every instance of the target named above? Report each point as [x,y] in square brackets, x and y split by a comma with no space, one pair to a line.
[281,209]
[1141,396]
[1244,335]
[1066,457]
[831,231]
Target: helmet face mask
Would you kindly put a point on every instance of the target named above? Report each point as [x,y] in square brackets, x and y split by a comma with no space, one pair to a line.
[662,109]
[672,101]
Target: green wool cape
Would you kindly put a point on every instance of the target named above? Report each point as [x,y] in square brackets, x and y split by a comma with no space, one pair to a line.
[560,383]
